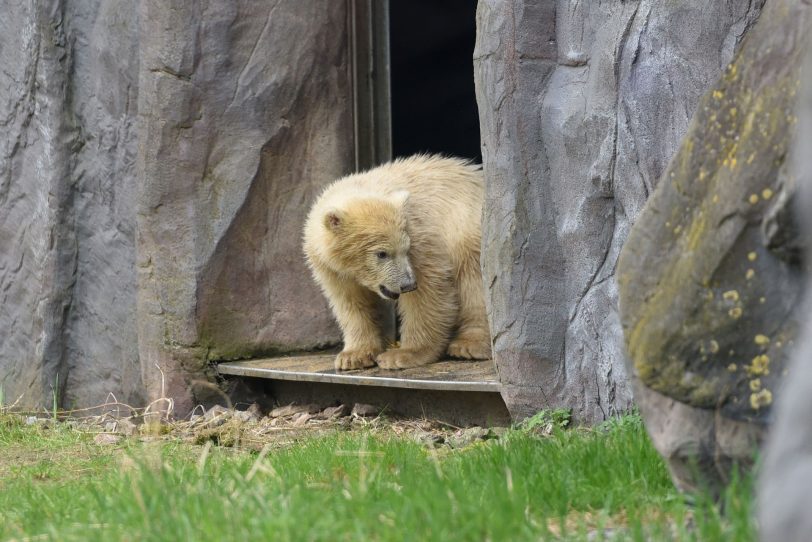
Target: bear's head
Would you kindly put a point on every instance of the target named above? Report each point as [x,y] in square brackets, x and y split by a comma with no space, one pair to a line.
[369,240]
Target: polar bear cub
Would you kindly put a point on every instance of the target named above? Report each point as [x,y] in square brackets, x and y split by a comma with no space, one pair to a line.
[407,231]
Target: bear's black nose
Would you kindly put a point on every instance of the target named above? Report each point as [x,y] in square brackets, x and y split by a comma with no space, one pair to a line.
[408,287]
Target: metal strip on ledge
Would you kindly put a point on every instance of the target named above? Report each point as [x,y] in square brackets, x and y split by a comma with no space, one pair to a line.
[452,375]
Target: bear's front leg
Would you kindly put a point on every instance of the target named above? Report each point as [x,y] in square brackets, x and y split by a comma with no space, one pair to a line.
[427,317]
[358,311]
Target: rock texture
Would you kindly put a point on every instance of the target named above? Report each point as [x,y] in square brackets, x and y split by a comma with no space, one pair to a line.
[68,93]
[581,105]
[245,114]
[786,479]
[156,163]
[710,276]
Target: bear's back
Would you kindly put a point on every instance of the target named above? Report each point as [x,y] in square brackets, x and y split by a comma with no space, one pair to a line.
[445,202]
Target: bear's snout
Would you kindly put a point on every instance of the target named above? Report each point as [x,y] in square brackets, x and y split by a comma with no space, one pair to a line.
[409,286]
[386,292]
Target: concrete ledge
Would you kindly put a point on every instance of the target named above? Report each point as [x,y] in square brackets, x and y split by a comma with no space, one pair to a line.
[448,375]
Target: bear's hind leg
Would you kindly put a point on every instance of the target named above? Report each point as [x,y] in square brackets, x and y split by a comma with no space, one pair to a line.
[473,338]
[427,318]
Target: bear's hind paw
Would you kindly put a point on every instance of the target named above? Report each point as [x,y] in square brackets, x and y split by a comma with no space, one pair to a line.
[355,359]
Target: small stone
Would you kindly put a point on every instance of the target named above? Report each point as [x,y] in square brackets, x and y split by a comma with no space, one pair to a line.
[215,411]
[242,416]
[290,410]
[301,419]
[466,437]
[334,412]
[429,439]
[251,414]
[107,439]
[126,427]
[217,416]
[255,410]
[364,410]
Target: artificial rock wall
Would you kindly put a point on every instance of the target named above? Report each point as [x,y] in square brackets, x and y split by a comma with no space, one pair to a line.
[157,159]
[68,189]
[156,162]
[582,105]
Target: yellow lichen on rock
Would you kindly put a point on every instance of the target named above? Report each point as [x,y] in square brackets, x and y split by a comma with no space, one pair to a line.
[761,399]
[761,340]
[760,365]
[731,295]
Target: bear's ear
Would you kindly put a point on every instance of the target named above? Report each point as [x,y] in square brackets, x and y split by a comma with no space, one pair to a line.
[333,219]
[400,197]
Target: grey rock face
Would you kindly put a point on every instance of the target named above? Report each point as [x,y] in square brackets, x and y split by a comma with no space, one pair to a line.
[244,117]
[68,92]
[709,277]
[581,106]
[786,479]
[156,163]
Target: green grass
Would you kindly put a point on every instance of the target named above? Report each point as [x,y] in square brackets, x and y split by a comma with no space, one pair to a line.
[358,485]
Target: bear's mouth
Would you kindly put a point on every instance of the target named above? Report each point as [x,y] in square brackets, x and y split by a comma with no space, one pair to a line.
[388,293]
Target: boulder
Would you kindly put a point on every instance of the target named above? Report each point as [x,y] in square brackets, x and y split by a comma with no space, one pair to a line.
[710,275]
[581,104]
[785,486]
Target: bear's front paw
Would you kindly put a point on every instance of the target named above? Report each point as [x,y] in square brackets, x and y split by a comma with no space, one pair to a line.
[470,349]
[399,358]
[355,359]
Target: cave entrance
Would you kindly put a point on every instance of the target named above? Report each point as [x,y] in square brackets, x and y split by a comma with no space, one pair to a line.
[433,102]
[413,93]
[414,79]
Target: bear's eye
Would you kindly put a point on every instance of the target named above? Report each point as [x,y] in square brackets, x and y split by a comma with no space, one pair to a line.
[382,254]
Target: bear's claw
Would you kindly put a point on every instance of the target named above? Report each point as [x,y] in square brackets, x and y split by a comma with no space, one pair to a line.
[355,359]
[469,349]
[399,358]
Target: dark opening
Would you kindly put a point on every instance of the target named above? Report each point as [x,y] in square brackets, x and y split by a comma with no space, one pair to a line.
[433,102]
